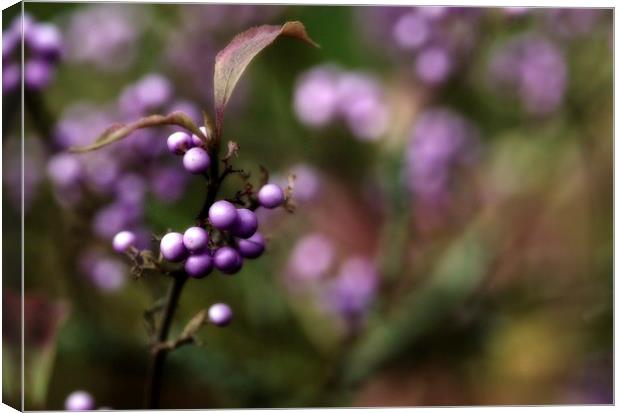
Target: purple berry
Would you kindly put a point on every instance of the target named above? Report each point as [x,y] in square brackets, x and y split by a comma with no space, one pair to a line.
[252,247]
[79,400]
[220,314]
[246,224]
[199,265]
[172,248]
[123,241]
[195,239]
[179,142]
[196,161]
[196,140]
[271,196]
[228,260]
[223,215]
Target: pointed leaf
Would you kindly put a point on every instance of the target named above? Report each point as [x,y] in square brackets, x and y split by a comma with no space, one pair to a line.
[119,131]
[197,321]
[231,62]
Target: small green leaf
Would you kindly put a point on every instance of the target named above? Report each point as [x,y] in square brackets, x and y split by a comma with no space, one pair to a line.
[119,131]
[231,62]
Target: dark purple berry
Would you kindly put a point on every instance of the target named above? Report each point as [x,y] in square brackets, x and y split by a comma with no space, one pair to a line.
[220,314]
[196,161]
[172,248]
[271,196]
[179,142]
[246,224]
[223,215]
[228,260]
[123,241]
[252,247]
[195,239]
[199,265]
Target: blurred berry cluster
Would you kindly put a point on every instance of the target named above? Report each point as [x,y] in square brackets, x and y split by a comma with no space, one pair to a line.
[327,93]
[42,49]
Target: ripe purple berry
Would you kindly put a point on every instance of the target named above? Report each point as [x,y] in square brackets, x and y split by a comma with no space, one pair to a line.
[271,196]
[223,215]
[179,142]
[196,140]
[252,247]
[228,260]
[196,161]
[195,239]
[199,265]
[220,314]
[246,224]
[123,241]
[172,248]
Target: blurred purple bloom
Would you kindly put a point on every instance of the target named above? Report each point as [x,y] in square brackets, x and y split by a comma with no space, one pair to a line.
[572,22]
[326,93]
[441,140]
[411,31]
[353,289]
[11,76]
[105,272]
[37,74]
[311,257]
[168,183]
[116,217]
[64,170]
[433,65]
[534,69]
[105,35]
[316,97]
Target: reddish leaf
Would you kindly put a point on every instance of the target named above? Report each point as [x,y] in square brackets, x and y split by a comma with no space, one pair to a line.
[119,131]
[231,62]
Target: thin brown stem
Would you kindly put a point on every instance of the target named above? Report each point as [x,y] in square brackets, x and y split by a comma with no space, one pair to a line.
[159,355]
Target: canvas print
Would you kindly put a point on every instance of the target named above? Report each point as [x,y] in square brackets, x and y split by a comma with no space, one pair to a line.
[212,206]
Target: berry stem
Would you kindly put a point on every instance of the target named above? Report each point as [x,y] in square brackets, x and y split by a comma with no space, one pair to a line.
[160,352]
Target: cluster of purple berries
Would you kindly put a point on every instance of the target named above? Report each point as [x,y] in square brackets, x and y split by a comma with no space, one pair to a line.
[240,224]
[42,50]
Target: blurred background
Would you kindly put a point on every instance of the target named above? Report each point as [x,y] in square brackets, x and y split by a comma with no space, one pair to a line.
[452,241]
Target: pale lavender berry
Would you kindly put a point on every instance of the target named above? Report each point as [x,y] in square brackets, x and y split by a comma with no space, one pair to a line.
[196,161]
[199,265]
[195,239]
[196,141]
[252,247]
[172,248]
[220,314]
[79,400]
[223,215]
[271,196]
[246,224]
[179,142]
[123,241]
[228,260]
